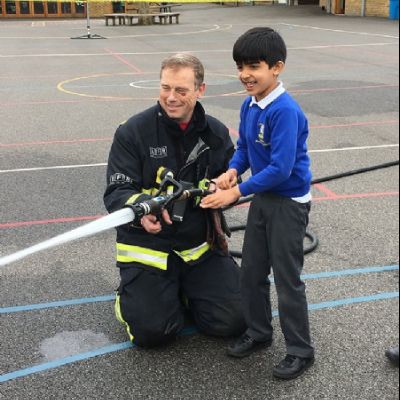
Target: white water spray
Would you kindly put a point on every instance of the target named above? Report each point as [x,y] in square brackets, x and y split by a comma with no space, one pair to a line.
[113,220]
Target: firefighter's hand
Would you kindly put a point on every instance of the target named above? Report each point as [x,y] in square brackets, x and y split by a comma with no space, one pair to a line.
[151,224]
[222,198]
[227,180]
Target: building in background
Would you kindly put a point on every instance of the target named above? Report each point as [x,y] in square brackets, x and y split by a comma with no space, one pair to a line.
[364,8]
[54,9]
[74,9]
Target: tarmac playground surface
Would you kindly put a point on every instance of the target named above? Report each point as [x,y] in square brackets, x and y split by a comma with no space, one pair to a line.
[60,103]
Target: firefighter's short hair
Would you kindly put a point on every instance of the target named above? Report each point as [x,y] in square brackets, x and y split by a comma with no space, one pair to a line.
[183,60]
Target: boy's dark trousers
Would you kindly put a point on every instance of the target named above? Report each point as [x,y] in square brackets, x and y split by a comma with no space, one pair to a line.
[274,239]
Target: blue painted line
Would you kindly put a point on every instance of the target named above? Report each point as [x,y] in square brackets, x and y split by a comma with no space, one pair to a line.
[188,331]
[347,272]
[185,332]
[87,300]
[41,306]
[354,300]
[64,361]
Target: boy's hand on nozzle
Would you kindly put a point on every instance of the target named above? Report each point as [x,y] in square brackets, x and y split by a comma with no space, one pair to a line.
[228,180]
[222,198]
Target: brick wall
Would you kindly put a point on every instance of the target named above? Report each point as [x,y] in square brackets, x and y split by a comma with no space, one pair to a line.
[353,7]
[374,8]
[99,9]
[378,8]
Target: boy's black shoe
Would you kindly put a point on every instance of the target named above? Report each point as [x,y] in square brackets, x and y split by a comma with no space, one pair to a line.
[393,355]
[292,367]
[246,345]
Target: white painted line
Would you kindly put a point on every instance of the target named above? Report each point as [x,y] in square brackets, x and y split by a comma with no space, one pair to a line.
[341,31]
[214,28]
[384,146]
[10,171]
[190,51]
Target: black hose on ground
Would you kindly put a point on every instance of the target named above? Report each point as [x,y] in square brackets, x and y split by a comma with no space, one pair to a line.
[312,237]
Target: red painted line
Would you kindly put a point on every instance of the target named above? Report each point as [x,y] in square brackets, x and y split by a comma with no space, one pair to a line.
[300,91]
[38,103]
[124,61]
[356,196]
[234,132]
[304,91]
[344,197]
[11,225]
[55,142]
[367,123]
[322,188]
[48,221]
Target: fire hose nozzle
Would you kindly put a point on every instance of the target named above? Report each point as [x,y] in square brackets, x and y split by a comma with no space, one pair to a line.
[189,194]
[154,206]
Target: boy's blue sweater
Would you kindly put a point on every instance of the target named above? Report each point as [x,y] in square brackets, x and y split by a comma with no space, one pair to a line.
[273,144]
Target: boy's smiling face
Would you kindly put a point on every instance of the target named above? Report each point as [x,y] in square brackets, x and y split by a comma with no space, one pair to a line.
[259,79]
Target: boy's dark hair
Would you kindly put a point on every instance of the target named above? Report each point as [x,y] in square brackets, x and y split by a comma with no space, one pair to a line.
[260,44]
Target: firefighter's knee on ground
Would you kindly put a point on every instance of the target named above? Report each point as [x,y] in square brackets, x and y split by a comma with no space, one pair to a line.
[155,335]
[224,319]
[148,338]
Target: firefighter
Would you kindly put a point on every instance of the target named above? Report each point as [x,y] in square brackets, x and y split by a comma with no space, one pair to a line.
[177,262]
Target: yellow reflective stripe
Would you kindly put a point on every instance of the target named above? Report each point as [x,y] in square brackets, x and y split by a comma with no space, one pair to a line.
[127,254]
[150,192]
[118,314]
[117,308]
[193,254]
[204,185]
[160,171]
[133,199]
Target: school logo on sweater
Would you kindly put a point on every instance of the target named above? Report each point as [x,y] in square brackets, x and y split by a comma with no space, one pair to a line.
[261,140]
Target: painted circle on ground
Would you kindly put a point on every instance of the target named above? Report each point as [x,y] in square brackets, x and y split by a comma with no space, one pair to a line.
[120,86]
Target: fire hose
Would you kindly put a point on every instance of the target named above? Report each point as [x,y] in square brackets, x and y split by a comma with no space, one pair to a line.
[127,215]
[135,212]
[313,239]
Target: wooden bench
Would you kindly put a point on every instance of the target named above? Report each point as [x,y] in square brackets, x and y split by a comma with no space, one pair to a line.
[167,17]
[131,17]
[120,17]
[167,7]
[124,19]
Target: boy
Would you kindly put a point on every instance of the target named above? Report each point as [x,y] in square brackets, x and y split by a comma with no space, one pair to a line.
[273,133]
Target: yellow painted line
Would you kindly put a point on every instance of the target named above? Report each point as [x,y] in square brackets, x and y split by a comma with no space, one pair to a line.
[61,87]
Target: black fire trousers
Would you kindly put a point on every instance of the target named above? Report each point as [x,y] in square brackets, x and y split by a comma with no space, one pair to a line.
[274,240]
[153,302]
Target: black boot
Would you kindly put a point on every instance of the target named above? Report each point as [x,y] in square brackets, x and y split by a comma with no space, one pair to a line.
[292,367]
[246,345]
[393,355]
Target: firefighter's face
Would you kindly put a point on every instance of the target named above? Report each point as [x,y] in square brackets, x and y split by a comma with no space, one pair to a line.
[179,93]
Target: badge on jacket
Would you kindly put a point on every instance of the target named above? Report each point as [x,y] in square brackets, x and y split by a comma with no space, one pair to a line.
[261,133]
[159,152]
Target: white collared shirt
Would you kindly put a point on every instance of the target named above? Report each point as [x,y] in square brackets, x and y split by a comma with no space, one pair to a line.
[266,101]
[263,104]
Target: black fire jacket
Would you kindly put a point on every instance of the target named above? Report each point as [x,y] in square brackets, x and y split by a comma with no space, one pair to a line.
[151,140]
